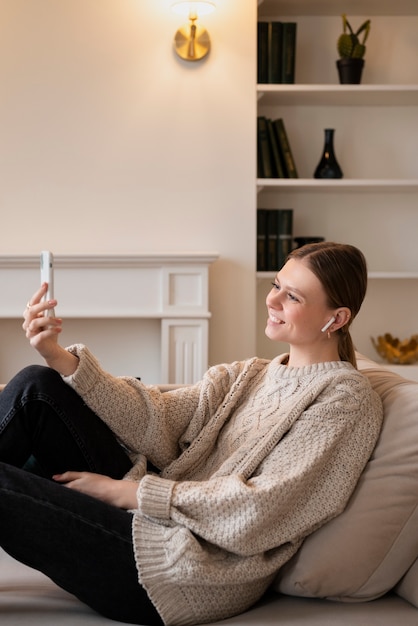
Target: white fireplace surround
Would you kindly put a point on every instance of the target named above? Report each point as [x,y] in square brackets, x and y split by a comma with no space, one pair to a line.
[172,288]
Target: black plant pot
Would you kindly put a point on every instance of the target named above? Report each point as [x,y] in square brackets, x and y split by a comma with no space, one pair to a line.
[350,70]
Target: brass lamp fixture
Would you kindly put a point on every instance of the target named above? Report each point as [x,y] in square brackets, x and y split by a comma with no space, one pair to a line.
[191,41]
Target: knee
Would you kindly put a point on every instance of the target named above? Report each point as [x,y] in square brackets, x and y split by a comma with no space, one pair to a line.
[33,377]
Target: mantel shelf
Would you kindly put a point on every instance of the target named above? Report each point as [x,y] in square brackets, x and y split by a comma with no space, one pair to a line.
[114,261]
[353,184]
[338,95]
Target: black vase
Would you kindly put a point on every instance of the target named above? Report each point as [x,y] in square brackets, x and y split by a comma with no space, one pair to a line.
[328,165]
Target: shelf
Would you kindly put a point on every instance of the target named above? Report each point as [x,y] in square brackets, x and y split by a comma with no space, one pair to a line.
[353,184]
[266,275]
[394,275]
[337,7]
[371,275]
[339,95]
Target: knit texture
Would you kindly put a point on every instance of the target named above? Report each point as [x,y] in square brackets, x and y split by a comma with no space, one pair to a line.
[253,459]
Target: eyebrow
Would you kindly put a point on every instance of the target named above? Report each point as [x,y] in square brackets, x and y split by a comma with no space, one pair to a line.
[289,287]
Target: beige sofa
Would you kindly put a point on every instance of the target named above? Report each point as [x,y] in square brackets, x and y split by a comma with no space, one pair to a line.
[359,569]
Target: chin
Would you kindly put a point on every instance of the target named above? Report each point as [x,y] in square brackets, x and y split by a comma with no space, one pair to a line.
[273,334]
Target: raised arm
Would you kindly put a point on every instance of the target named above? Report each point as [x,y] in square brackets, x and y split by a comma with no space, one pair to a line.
[43,332]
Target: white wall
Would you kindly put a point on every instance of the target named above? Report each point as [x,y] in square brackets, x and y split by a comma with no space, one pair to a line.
[111,144]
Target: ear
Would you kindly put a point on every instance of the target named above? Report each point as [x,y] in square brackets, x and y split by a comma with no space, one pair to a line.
[342,317]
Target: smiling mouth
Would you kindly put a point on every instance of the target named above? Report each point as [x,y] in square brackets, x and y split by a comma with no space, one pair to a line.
[275,319]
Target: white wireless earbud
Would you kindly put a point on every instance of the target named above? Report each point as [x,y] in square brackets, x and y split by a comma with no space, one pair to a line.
[328,324]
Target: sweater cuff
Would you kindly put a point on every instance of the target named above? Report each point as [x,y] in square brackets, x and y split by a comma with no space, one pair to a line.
[154,496]
[85,376]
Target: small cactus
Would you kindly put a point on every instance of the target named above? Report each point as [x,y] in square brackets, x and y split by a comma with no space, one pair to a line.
[348,44]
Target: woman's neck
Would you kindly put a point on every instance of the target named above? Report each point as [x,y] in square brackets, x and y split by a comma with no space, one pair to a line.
[302,357]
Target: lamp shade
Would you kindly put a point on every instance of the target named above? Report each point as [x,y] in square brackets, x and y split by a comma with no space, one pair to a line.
[198,7]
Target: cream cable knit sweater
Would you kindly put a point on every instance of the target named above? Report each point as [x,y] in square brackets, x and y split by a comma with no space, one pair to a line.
[253,459]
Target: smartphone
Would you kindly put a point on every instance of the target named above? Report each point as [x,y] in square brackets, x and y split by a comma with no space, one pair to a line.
[47,276]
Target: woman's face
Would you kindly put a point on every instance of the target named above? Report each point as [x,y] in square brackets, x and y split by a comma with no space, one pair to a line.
[297,306]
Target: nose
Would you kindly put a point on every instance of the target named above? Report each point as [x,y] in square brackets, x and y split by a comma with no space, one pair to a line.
[273,298]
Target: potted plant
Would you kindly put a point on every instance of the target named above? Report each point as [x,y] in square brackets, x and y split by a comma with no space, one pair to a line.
[351,51]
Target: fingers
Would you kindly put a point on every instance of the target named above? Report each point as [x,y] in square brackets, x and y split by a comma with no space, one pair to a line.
[67,477]
[34,315]
[33,326]
[36,298]
[119,493]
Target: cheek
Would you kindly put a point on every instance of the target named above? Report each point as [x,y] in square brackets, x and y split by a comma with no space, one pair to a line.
[301,319]
[294,311]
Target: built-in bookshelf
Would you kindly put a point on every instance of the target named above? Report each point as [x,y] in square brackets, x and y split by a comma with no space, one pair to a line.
[375,204]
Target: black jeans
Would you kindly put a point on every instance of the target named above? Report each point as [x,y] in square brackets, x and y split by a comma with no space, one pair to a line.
[84,545]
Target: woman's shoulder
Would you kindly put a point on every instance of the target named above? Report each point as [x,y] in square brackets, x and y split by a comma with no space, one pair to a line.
[231,372]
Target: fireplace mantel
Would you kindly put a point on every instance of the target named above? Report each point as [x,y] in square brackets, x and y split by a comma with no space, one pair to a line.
[172,288]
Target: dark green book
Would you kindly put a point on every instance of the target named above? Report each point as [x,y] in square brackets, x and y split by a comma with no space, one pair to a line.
[285,235]
[283,141]
[288,52]
[277,158]
[272,240]
[263,149]
[259,162]
[262,240]
[262,52]
[275,52]
[279,237]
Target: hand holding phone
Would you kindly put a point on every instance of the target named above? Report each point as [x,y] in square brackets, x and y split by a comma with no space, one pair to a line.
[47,276]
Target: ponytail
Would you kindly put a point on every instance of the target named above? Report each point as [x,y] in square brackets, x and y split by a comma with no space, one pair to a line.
[346,348]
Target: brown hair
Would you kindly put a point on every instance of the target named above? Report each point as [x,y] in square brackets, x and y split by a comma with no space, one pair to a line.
[342,270]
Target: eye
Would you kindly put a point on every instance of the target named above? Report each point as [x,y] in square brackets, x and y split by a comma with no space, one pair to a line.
[290,295]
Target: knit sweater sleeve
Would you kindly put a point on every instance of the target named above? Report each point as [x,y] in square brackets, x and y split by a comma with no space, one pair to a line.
[303,481]
[146,421]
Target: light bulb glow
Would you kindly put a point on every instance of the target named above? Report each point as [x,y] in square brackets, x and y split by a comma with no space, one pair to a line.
[191,7]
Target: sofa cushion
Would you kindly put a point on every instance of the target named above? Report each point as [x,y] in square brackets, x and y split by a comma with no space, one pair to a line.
[365,551]
[408,587]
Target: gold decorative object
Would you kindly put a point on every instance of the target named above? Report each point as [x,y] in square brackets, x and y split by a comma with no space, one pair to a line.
[395,351]
[191,41]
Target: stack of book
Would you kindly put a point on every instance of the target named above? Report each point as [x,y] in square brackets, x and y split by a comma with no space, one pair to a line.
[276,52]
[274,238]
[274,155]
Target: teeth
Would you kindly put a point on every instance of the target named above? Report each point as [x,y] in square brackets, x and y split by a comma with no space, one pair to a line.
[276,320]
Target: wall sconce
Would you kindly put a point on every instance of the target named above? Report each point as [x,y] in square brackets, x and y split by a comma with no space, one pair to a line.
[191,41]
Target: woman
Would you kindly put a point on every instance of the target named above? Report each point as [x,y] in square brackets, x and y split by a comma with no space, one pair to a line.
[242,466]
